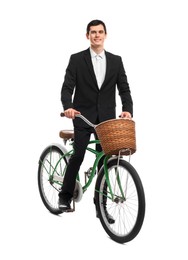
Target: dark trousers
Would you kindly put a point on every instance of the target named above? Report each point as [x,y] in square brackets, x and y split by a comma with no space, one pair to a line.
[81,140]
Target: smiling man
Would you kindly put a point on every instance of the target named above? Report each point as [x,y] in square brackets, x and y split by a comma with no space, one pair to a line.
[89,88]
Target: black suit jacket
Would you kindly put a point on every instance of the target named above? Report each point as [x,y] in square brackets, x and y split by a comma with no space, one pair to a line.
[80,90]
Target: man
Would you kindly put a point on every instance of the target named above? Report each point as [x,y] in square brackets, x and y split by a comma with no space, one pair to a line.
[91,77]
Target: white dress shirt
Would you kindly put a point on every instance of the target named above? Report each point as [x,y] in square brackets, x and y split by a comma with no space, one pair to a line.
[99,65]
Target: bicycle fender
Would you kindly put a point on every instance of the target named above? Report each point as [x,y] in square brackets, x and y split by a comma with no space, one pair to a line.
[61,147]
[111,159]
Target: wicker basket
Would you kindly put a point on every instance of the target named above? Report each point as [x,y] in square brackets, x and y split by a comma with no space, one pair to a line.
[116,135]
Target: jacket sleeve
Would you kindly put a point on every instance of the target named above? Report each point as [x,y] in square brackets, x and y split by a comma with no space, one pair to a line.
[68,85]
[124,90]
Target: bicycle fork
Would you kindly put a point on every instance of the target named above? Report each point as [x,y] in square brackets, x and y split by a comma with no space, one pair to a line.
[121,196]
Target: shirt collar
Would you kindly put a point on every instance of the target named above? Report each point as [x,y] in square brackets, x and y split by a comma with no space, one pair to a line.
[94,54]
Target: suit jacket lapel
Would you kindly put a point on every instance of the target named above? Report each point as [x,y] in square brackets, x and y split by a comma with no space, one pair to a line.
[107,68]
[90,66]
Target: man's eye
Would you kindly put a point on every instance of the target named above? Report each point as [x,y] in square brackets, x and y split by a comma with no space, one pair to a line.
[95,32]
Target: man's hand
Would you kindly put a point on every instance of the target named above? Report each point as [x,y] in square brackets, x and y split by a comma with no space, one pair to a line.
[126,114]
[70,113]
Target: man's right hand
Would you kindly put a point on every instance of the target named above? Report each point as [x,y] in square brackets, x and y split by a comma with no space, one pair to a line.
[70,113]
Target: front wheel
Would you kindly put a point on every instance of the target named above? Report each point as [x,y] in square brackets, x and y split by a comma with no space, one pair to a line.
[51,170]
[121,196]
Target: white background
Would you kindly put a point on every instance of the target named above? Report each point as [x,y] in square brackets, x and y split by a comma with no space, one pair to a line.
[37,38]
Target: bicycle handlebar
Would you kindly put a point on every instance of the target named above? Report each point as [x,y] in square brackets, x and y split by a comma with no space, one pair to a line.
[86,120]
[83,118]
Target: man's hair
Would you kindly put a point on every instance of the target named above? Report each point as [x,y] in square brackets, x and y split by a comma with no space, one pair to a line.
[94,23]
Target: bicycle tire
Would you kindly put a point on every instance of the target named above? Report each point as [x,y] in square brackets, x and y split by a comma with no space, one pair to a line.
[129,212]
[51,157]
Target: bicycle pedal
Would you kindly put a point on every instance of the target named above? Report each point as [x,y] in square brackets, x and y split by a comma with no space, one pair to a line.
[70,210]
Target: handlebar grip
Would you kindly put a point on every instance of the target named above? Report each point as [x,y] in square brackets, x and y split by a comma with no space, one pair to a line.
[82,117]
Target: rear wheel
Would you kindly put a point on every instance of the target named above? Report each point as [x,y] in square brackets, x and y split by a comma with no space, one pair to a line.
[126,207]
[51,170]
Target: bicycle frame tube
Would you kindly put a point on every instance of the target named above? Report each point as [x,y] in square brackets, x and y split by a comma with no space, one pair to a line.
[99,155]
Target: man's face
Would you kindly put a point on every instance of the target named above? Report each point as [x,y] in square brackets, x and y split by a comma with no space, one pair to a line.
[96,36]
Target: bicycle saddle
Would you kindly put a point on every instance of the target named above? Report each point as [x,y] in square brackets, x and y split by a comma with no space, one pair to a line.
[66,134]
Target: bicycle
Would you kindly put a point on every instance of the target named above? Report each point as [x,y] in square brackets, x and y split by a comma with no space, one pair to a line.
[118,187]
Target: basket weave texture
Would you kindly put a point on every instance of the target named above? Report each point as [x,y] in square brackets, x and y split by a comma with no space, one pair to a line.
[116,135]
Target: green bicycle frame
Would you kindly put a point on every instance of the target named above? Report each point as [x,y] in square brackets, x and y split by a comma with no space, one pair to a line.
[99,155]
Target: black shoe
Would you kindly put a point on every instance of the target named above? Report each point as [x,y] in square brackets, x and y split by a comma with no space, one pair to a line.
[110,219]
[64,205]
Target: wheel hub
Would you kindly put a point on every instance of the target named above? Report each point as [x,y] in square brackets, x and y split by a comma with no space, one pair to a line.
[119,200]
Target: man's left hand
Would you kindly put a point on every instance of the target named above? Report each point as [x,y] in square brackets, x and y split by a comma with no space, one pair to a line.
[126,114]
